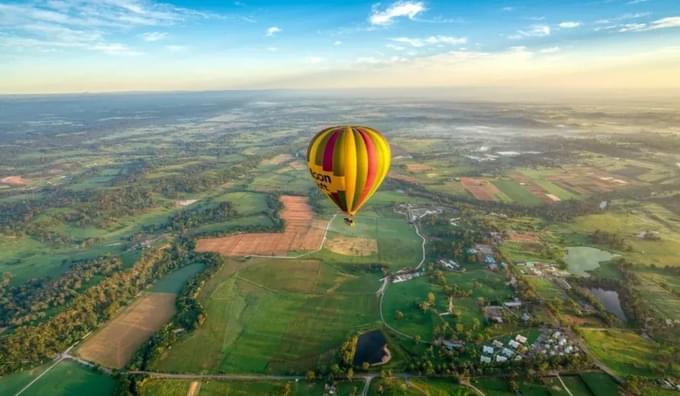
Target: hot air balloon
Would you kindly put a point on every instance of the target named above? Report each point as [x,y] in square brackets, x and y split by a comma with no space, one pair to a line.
[348,163]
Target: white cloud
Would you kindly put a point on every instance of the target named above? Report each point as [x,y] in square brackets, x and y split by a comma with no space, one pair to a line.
[395,47]
[272,49]
[432,40]
[663,23]
[508,9]
[569,24]
[154,36]
[398,9]
[86,24]
[533,31]
[550,50]
[337,42]
[272,30]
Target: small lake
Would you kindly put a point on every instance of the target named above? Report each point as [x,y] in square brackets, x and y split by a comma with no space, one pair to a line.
[370,348]
[581,259]
[610,300]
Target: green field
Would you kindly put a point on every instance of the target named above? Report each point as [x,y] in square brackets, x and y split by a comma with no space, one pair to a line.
[273,316]
[626,352]
[600,384]
[628,225]
[157,387]
[65,379]
[415,387]
[660,291]
[405,296]
[398,244]
[517,193]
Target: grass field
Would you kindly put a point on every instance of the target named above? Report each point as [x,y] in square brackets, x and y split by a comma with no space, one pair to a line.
[629,224]
[600,384]
[274,316]
[157,387]
[625,352]
[517,193]
[397,243]
[658,291]
[416,387]
[405,296]
[65,379]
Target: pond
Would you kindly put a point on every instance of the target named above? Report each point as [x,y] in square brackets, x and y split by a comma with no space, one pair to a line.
[581,259]
[610,300]
[371,348]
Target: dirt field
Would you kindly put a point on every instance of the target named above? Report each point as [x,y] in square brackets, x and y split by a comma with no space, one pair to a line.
[297,165]
[117,341]
[408,179]
[587,180]
[278,159]
[418,168]
[353,246]
[194,388]
[523,237]
[480,188]
[14,181]
[302,232]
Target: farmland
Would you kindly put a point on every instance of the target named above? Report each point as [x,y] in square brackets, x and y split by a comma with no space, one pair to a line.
[302,233]
[273,316]
[226,173]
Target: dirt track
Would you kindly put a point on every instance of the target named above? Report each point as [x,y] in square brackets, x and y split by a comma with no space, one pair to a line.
[302,232]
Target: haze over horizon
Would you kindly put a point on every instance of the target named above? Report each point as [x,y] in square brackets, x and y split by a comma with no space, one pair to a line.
[604,48]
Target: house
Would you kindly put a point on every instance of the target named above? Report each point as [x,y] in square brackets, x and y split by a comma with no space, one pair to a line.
[518,358]
[526,317]
[521,338]
[492,313]
[487,349]
[497,344]
[513,304]
[485,359]
[501,358]
[513,344]
[453,344]
[449,265]
[493,267]
[507,352]
[556,334]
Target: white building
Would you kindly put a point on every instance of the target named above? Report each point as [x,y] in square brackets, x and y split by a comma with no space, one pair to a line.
[521,338]
[485,359]
[487,349]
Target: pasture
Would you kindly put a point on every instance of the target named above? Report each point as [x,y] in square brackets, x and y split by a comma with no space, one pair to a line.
[274,316]
[163,387]
[405,297]
[626,352]
[629,224]
[396,241]
[660,291]
[416,387]
[65,379]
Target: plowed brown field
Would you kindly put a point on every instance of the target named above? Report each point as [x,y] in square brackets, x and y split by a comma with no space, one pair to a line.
[302,232]
[117,341]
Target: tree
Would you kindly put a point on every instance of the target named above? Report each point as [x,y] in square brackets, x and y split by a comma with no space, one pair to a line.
[399,315]
[430,298]
[350,373]
[365,366]
[310,376]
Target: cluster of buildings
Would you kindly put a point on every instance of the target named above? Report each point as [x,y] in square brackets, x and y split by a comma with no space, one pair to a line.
[669,383]
[555,344]
[487,256]
[499,352]
[542,269]
[450,265]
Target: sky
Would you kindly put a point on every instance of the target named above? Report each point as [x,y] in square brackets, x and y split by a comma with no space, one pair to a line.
[520,47]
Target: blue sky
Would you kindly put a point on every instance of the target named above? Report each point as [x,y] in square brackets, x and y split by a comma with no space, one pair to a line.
[112,45]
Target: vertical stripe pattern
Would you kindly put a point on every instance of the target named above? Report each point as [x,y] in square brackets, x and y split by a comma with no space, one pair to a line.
[349,163]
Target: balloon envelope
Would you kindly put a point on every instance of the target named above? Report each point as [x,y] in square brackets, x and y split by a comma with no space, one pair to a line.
[348,163]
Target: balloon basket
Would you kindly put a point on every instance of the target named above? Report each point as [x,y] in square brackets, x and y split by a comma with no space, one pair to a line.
[349,221]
